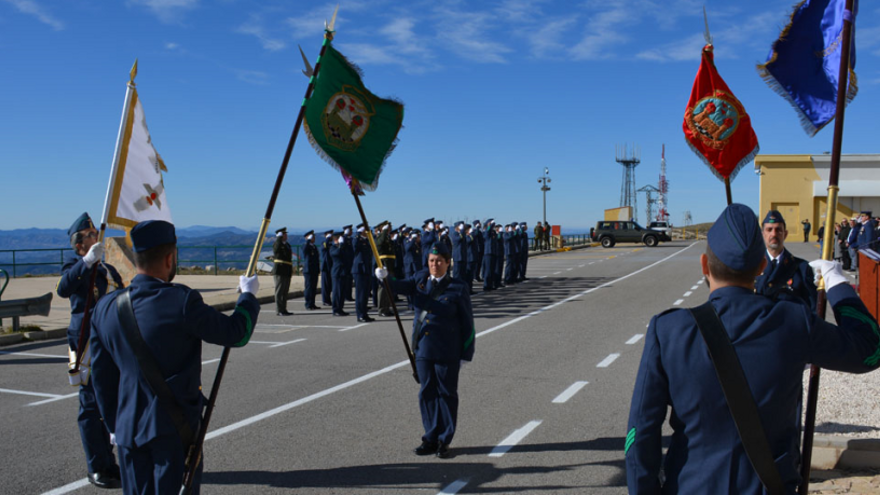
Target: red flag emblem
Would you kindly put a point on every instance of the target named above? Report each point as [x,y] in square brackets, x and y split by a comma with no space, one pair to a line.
[716,124]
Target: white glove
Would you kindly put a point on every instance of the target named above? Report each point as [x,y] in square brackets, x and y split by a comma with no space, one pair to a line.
[341,239]
[96,252]
[381,273]
[112,439]
[249,284]
[831,271]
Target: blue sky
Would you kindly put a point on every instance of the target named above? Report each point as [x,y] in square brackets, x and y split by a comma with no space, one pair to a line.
[494,92]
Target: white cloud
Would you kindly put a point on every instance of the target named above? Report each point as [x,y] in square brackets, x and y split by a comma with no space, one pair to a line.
[168,11]
[255,27]
[467,34]
[547,38]
[31,7]
[171,46]
[688,48]
[255,77]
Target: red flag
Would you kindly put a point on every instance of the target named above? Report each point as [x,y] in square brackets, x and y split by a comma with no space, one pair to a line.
[716,124]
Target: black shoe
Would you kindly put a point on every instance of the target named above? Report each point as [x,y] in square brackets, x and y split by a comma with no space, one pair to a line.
[312,308]
[426,448]
[105,480]
[443,451]
[340,313]
[366,319]
[284,313]
[386,314]
[349,300]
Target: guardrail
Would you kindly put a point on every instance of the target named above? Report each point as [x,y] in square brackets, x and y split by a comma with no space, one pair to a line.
[209,256]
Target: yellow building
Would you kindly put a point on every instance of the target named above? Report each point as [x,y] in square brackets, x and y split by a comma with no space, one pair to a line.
[797,186]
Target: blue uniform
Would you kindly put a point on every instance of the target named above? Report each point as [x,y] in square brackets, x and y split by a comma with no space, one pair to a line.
[459,255]
[473,255]
[774,340]
[74,285]
[337,254]
[444,339]
[361,271]
[429,237]
[790,275]
[311,269]
[523,253]
[499,258]
[478,241]
[511,254]
[347,261]
[489,253]
[173,320]
[867,235]
[326,268]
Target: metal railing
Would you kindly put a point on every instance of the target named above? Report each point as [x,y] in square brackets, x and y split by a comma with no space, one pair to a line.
[558,242]
[209,256]
[33,258]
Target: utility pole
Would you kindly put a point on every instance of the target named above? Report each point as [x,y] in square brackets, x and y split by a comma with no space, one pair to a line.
[544,180]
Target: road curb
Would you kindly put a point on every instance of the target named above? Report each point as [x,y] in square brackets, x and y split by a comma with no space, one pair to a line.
[845,453]
[11,338]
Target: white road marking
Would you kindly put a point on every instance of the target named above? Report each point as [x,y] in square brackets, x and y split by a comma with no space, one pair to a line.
[453,487]
[557,273]
[637,337]
[34,354]
[569,392]
[580,266]
[570,269]
[687,294]
[210,361]
[55,399]
[545,276]
[695,287]
[345,329]
[287,343]
[269,342]
[514,438]
[23,392]
[607,361]
[676,303]
[342,386]
[590,263]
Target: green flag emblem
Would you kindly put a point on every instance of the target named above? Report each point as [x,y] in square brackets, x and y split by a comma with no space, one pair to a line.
[351,128]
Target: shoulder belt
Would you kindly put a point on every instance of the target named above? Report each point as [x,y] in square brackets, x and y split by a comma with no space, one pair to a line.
[150,369]
[739,397]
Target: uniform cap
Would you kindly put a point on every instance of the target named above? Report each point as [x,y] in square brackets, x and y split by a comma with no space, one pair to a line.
[866,212]
[346,227]
[151,233]
[491,220]
[282,230]
[439,248]
[329,232]
[736,238]
[426,222]
[773,216]
[83,222]
[467,226]
[311,232]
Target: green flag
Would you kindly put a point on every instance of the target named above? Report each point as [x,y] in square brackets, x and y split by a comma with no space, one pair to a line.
[350,127]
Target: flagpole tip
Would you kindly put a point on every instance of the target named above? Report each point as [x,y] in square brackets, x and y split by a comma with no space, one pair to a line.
[330,27]
[134,72]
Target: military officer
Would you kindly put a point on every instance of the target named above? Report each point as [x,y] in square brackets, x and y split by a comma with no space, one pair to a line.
[489,254]
[473,256]
[311,270]
[282,271]
[398,237]
[326,269]
[103,471]
[523,250]
[360,270]
[479,239]
[388,255]
[348,260]
[429,237]
[444,237]
[511,255]
[773,340]
[867,235]
[784,273]
[337,254]
[443,337]
[169,321]
[539,236]
[459,252]
[412,258]
[499,256]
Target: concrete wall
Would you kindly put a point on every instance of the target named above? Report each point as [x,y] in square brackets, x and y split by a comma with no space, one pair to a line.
[797,185]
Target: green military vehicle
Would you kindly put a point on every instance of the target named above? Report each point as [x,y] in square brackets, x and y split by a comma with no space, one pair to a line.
[610,232]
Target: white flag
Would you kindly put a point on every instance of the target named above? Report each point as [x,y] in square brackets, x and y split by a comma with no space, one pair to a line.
[138,189]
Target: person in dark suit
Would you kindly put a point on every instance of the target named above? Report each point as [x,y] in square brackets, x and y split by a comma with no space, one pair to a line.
[172,321]
[523,250]
[459,252]
[429,237]
[489,253]
[473,256]
[339,275]
[398,237]
[784,273]
[103,471]
[773,340]
[443,337]
[479,243]
[499,256]
[326,270]
[807,227]
[511,255]
[412,258]
[868,233]
[842,251]
[282,270]
[852,243]
[360,270]
[348,260]
[311,270]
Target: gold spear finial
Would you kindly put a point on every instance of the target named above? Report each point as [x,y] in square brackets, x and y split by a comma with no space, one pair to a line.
[134,72]
[706,35]
[330,27]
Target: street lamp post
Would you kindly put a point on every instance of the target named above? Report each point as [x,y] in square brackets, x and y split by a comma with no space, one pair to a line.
[544,180]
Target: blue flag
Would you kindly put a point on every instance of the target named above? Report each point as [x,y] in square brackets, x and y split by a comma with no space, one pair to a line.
[804,63]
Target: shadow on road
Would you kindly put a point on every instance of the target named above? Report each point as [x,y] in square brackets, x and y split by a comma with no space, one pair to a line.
[525,297]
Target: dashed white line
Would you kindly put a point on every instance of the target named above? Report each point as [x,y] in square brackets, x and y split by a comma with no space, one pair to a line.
[607,361]
[514,438]
[352,328]
[634,339]
[695,287]
[269,342]
[54,399]
[569,392]
[580,266]
[687,294]
[557,273]
[676,303]
[545,276]
[453,487]
[210,361]
[570,269]
[76,485]
[287,343]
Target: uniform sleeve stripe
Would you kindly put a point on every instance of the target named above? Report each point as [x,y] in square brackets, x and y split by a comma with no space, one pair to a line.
[470,339]
[630,439]
[249,325]
[851,312]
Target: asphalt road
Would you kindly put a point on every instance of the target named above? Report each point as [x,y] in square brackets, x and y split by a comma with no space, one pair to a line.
[321,404]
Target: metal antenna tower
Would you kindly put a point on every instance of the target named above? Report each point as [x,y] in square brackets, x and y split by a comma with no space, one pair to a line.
[629,158]
[649,191]
[663,186]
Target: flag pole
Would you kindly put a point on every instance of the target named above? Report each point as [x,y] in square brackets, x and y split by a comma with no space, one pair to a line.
[708,37]
[727,188]
[74,372]
[827,246]
[194,456]
[409,354]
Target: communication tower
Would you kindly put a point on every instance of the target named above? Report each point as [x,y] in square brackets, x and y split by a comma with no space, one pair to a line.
[629,158]
[649,191]
[663,186]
